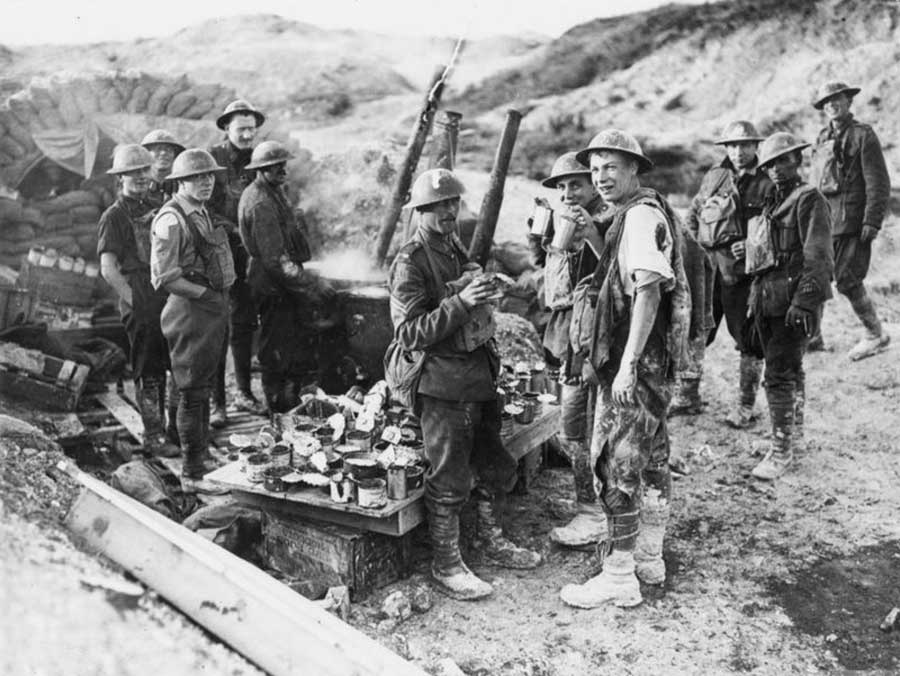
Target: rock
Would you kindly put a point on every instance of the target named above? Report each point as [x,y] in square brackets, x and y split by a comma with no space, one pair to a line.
[891,620]
[421,598]
[396,606]
[387,626]
[447,667]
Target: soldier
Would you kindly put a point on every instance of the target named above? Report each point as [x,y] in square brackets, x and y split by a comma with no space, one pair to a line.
[284,293]
[241,122]
[850,171]
[731,193]
[163,149]
[563,269]
[789,256]
[123,244]
[642,312]
[191,259]
[441,323]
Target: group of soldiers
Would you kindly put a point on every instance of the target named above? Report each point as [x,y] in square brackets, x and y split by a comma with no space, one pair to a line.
[203,247]
[634,296]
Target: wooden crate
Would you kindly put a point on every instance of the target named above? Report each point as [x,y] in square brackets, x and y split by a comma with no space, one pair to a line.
[49,382]
[16,306]
[62,287]
[333,554]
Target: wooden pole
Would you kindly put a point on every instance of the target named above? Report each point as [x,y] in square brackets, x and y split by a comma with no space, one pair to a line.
[446,135]
[493,198]
[411,157]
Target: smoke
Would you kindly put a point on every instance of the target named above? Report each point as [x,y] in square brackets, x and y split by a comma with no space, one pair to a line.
[354,264]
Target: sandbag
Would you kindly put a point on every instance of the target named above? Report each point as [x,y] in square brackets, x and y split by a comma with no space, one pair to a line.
[10,148]
[46,107]
[180,103]
[86,243]
[23,109]
[85,98]
[152,483]
[86,214]
[58,220]
[163,94]
[125,86]
[111,102]
[139,98]
[16,130]
[20,232]
[10,210]
[200,109]
[68,108]
[68,201]
[513,257]
[32,216]
[231,526]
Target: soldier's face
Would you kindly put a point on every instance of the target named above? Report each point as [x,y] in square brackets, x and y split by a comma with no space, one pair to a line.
[575,190]
[441,216]
[741,154]
[275,175]
[614,175]
[163,155]
[241,131]
[198,188]
[837,107]
[785,169]
[136,183]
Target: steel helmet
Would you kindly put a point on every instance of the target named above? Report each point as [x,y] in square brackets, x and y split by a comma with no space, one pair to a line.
[192,162]
[434,185]
[268,153]
[565,165]
[130,157]
[739,131]
[620,142]
[830,89]
[778,144]
[159,137]
[239,107]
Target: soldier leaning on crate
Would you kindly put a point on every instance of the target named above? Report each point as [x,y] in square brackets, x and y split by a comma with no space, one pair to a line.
[850,171]
[191,259]
[439,315]
[563,269]
[123,244]
[630,324]
[789,256]
[285,294]
[731,193]
[241,122]
[163,148]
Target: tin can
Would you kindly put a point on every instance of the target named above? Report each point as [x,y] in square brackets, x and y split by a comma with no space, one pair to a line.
[342,488]
[396,482]
[371,493]
[540,219]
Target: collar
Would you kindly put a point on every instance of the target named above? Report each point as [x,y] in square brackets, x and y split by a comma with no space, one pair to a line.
[753,170]
[838,126]
[438,242]
[131,202]
[187,206]
[237,157]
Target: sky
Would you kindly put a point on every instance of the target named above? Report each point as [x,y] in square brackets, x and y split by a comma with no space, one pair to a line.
[80,21]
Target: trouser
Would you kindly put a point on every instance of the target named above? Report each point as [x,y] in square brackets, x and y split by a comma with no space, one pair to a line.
[730,301]
[783,349]
[463,447]
[577,408]
[193,429]
[851,264]
[242,322]
[148,351]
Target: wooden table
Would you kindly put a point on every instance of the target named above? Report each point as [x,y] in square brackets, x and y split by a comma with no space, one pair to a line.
[398,516]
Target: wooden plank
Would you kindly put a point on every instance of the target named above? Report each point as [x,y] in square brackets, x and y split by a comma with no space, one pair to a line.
[43,394]
[122,411]
[263,619]
[526,437]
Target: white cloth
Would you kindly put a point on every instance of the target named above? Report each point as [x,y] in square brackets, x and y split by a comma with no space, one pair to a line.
[646,245]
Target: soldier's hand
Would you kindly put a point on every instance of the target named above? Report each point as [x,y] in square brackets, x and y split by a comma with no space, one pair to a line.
[477,292]
[868,234]
[623,386]
[739,249]
[801,320]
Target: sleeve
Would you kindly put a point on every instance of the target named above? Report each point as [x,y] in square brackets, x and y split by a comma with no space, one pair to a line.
[818,255]
[272,249]
[877,180]
[691,218]
[165,250]
[109,235]
[646,244]
[415,327]
[536,249]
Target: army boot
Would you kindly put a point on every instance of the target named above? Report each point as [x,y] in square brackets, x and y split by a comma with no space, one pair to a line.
[799,431]
[648,550]
[875,340]
[588,526]
[171,397]
[686,400]
[193,421]
[450,573]
[155,442]
[493,544]
[617,584]
[780,455]
[744,415]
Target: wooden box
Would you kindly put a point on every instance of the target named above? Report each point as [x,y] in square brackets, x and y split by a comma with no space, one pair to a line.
[49,382]
[335,555]
[62,287]
[16,306]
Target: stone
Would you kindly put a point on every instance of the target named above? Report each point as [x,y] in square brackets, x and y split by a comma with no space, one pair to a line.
[396,606]
[421,598]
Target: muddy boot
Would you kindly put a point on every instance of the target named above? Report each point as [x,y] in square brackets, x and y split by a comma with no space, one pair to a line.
[876,340]
[585,530]
[218,418]
[686,400]
[780,454]
[155,442]
[245,401]
[648,550]
[494,545]
[193,417]
[273,386]
[744,415]
[450,573]
[799,437]
[172,397]
[617,585]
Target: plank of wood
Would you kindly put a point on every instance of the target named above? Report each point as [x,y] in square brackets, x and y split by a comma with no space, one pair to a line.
[266,621]
[43,394]
[122,411]
[526,437]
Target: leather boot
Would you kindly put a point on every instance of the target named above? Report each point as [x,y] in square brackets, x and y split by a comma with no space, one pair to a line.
[172,398]
[497,549]
[875,340]
[800,413]
[193,427]
[218,417]
[617,584]
[155,442]
[750,373]
[273,386]
[589,525]
[780,454]
[686,400]
[648,550]
[450,573]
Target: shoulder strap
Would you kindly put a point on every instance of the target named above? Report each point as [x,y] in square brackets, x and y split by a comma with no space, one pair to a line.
[196,238]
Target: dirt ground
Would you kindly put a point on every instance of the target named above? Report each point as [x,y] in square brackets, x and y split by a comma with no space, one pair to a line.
[793,577]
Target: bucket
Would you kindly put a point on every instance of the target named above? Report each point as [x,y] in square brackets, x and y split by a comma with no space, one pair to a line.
[371,493]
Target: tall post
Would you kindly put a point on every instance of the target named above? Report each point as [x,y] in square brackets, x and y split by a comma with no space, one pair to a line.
[410,161]
[480,248]
[446,135]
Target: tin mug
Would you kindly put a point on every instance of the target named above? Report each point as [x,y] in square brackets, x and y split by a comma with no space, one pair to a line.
[540,219]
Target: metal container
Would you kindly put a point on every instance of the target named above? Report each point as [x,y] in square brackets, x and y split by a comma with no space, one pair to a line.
[396,482]
[359,439]
[415,477]
[371,493]
[257,464]
[342,488]
[281,456]
[367,322]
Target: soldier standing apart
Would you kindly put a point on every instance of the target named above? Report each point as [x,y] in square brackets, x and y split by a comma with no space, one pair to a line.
[123,244]
[282,290]
[435,296]
[563,269]
[642,308]
[790,257]
[240,121]
[191,259]
[730,194]
[163,149]
[851,173]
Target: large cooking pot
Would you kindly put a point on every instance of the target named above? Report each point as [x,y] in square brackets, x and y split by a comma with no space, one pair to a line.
[367,321]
